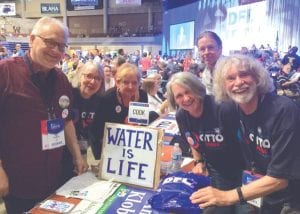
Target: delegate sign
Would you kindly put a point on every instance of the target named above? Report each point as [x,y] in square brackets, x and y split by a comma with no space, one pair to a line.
[130,154]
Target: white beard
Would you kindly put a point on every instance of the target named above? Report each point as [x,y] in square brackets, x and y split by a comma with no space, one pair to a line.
[243,98]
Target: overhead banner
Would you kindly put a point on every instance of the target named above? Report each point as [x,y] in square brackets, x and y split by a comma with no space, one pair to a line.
[131,155]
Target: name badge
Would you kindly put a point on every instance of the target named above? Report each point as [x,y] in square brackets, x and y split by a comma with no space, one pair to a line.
[248,177]
[138,113]
[53,135]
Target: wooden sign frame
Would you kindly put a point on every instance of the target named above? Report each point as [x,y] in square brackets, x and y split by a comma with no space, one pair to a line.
[131,155]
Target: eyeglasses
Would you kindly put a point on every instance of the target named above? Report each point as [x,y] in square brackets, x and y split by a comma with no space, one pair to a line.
[52,44]
[90,77]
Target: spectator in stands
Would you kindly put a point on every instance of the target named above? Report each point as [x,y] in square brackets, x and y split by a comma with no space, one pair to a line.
[97,56]
[35,95]
[269,136]
[90,83]
[188,60]
[109,81]
[145,64]
[292,58]
[210,131]
[135,58]
[20,52]
[3,52]
[66,64]
[210,50]
[121,53]
[115,102]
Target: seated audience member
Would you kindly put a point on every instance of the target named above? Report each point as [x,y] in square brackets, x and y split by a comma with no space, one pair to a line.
[156,100]
[288,83]
[109,81]
[269,138]
[86,100]
[210,130]
[115,102]
[292,58]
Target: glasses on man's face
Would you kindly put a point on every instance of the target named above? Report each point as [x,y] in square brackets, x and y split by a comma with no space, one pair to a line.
[91,77]
[52,44]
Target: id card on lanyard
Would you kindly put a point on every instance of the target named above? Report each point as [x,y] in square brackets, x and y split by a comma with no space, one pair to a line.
[248,177]
[53,135]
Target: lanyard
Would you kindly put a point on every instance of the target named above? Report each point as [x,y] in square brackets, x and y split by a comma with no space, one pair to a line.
[247,149]
[45,84]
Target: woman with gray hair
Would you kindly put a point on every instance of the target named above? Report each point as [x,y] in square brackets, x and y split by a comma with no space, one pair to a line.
[269,136]
[88,83]
[209,129]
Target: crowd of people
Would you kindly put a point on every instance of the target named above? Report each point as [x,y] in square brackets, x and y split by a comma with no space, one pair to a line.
[234,112]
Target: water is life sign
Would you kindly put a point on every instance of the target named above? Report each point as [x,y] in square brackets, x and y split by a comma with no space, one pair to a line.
[131,154]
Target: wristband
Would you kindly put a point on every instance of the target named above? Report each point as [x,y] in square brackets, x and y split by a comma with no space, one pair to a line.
[198,161]
[241,196]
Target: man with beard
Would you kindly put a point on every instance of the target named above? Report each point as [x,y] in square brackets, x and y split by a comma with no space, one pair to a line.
[269,137]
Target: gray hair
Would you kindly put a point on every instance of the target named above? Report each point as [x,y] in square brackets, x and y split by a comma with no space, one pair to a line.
[89,65]
[187,80]
[44,21]
[264,83]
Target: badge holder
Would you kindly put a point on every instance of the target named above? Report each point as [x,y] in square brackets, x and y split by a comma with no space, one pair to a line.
[52,131]
[248,177]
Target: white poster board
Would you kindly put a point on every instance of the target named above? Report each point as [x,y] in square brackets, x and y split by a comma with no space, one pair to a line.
[131,154]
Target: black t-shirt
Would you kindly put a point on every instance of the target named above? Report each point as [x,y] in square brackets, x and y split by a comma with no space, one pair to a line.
[213,136]
[84,113]
[110,110]
[271,141]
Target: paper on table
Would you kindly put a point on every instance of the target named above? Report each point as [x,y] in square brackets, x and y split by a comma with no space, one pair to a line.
[88,187]
[87,207]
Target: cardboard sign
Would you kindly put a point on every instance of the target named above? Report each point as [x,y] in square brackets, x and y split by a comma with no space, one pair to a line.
[131,154]
[138,113]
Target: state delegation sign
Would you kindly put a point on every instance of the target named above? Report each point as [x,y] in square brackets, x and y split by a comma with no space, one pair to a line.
[131,154]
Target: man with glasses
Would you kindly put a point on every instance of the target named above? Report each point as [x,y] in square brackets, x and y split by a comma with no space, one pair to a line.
[35,103]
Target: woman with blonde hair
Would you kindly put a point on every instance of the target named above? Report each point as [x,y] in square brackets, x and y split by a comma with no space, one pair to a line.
[115,101]
[157,102]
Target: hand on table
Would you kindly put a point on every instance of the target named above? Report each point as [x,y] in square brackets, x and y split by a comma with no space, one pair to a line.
[210,196]
[81,165]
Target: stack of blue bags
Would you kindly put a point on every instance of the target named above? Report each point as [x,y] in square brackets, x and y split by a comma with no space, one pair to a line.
[175,191]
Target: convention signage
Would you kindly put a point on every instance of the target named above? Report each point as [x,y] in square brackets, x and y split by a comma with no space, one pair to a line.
[138,113]
[131,154]
[128,2]
[7,9]
[50,8]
